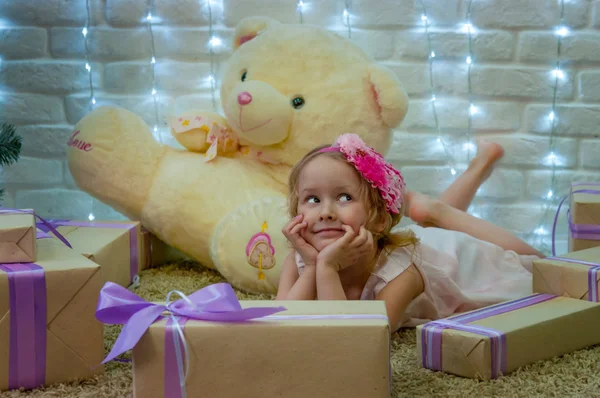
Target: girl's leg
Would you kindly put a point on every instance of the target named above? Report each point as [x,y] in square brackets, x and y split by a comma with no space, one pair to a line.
[461,192]
[433,211]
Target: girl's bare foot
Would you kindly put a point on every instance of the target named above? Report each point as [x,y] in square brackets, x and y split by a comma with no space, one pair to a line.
[488,153]
[422,209]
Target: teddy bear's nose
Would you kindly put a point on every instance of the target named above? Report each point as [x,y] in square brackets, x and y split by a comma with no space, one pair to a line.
[244,98]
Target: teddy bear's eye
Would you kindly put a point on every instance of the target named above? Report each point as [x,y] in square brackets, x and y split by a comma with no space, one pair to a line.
[298,102]
[244,76]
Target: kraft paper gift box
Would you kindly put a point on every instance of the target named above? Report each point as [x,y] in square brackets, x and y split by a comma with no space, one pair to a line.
[290,349]
[114,245]
[48,332]
[156,252]
[17,236]
[572,275]
[494,341]
[584,216]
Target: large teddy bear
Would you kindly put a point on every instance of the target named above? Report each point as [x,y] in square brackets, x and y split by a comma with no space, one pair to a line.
[285,89]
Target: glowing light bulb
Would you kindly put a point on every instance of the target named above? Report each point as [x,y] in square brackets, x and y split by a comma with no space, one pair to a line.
[91,217]
[551,158]
[432,54]
[85,32]
[558,73]
[87,66]
[469,146]
[562,31]
[453,171]
[215,41]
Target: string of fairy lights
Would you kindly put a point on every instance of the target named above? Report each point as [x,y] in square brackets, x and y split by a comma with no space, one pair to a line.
[346,14]
[468,26]
[88,67]
[154,92]
[214,42]
[552,159]
[431,57]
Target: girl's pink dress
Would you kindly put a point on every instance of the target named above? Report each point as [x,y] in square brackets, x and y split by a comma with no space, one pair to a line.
[461,273]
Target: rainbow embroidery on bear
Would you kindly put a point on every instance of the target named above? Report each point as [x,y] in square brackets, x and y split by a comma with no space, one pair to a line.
[260,251]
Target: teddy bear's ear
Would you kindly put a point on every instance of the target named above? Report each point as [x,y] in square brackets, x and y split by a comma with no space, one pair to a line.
[389,95]
[250,27]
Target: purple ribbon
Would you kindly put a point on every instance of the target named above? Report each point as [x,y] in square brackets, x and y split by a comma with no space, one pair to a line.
[578,231]
[593,294]
[43,222]
[216,302]
[133,238]
[431,333]
[27,297]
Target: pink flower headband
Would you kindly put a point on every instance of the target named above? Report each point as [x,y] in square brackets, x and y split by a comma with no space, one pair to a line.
[374,168]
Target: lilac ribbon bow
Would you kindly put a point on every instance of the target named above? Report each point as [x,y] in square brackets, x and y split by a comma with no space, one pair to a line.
[46,223]
[216,302]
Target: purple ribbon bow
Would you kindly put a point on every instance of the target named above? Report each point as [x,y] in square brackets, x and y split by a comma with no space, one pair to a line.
[216,302]
[46,223]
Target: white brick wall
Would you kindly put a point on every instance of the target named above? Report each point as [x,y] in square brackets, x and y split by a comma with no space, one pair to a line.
[44,85]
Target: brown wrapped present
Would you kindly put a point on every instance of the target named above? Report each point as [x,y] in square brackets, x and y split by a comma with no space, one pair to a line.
[234,348]
[572,275]
[494,341]
[17,236]
[48,332]
[114,245]
[156,252]
[584,216]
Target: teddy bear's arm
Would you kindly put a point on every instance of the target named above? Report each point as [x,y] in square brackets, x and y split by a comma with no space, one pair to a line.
[197,130]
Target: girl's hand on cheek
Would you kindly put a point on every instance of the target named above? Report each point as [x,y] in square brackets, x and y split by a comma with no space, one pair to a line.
[292,231]
[350,249]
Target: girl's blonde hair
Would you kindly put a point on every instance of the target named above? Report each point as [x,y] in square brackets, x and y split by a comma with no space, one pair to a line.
[376,209]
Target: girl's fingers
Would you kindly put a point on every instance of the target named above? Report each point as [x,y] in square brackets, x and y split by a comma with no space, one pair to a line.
[291,224]
[349,235]
[369,239]
[361,238]
[297,228]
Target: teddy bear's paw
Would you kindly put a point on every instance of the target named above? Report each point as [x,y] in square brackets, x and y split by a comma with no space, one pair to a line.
[248,247]
[200,131]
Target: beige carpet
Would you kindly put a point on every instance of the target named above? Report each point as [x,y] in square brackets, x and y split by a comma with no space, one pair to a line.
[574,375]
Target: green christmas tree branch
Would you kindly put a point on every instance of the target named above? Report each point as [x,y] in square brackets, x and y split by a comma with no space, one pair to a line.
[10,147]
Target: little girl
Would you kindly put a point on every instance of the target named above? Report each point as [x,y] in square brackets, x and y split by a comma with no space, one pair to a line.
[345,200]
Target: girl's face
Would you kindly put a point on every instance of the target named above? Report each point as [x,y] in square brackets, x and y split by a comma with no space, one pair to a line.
[329,197]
